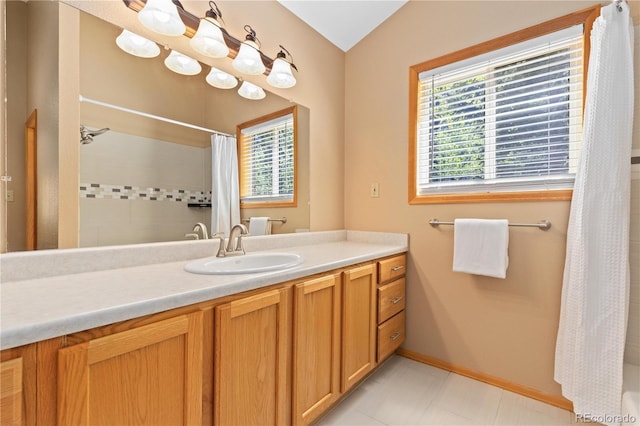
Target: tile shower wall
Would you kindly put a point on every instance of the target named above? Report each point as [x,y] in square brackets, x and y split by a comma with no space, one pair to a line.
[135,189]
[632,350]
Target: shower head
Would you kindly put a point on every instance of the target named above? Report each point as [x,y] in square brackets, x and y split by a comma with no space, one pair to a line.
[87,135]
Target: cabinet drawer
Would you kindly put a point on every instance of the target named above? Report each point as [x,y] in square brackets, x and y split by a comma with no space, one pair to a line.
[390,336]
[394,267]
[390,300]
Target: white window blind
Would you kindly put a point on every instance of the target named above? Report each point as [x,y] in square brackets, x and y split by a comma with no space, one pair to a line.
[509,120]
[267,161]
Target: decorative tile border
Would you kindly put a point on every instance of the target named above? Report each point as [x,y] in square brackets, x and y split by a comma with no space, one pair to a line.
[129,192]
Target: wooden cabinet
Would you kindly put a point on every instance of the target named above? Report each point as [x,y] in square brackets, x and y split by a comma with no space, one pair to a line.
[18,386]
[316,347]
[250,364]
[391,305]
[147,375]
[358,324]
[275,356]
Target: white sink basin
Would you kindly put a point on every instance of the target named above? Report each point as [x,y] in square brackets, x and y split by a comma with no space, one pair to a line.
[243,264]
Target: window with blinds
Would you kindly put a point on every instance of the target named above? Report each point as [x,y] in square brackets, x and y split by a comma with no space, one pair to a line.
[508,120]
[267,160]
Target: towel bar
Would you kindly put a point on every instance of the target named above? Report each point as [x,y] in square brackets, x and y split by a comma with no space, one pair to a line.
[544,225]
[282,220]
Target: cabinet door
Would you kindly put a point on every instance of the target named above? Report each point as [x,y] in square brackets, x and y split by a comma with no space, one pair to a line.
[11,392]
[17,386]
[316,347]
[251,361]
[150,375]
[358,324]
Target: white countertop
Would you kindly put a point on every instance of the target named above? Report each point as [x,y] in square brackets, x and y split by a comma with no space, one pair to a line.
[56,292]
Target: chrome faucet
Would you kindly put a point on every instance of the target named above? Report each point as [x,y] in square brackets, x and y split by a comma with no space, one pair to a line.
[237,232]
[201,227]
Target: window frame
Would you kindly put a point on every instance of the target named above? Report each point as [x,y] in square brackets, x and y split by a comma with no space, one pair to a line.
[263,119]
[585,17]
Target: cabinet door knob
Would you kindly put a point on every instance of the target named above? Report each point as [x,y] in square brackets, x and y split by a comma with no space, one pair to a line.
[397,268]
[395,335]
[396,300]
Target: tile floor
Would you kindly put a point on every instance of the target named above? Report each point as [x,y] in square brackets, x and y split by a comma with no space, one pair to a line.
[406,392]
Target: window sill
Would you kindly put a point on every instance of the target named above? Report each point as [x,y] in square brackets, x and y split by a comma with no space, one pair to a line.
[552,195]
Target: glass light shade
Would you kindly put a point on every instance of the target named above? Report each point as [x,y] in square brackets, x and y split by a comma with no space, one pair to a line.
[182,64]
[209,40]
[248,60]
[220,79]
[251,91]
[136,45]
[162,17]
[281,75]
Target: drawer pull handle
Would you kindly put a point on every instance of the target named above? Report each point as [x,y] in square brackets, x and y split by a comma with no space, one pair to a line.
[395,335]
[396,300]
[397,268]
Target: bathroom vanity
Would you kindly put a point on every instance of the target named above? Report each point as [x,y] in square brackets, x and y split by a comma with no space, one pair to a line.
[152,344]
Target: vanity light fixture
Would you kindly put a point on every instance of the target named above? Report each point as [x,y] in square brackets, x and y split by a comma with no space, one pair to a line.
[220,79]
[182,64]
[251,91]
[209,39]
[136,45]
[248,60]
[281,75]
[162,17]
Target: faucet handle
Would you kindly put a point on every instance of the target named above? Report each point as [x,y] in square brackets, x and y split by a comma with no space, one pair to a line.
[221,251]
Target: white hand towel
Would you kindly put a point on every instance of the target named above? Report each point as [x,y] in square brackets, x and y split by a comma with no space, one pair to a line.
[259,226]
[481,246]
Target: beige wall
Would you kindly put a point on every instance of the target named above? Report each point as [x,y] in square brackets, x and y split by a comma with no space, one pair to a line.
[31,84]
[505,328]
[3,135]
[38,80]
[17,114]
[43,95]
[69,111]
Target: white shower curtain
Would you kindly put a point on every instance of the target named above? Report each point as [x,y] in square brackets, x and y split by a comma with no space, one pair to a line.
[593,318]
[225,194]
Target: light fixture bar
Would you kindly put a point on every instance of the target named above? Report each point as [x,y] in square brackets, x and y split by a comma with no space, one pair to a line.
[192,22]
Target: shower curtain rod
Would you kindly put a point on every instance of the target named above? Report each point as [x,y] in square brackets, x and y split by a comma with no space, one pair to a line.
[155,117]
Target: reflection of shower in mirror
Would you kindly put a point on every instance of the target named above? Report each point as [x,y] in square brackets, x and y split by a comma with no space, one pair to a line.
[87,135]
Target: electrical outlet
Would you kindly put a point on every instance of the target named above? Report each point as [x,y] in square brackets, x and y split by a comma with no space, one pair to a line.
[374,191]
[10,196]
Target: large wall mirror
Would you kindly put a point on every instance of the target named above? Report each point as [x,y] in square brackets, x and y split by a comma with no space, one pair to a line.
[137,180]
